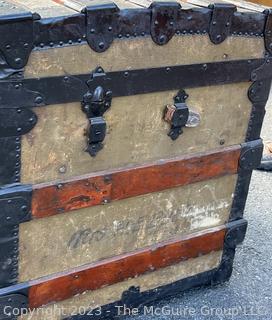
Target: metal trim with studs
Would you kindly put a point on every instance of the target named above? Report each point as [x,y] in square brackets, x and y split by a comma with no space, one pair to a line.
[163,21]
[258,94]
[36,92]
[126,23]
[15,203]
[16,122]
[221,21]
[16,50]
[99,25]
[268,30]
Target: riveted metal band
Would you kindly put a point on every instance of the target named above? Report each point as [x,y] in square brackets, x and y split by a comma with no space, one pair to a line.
[63,89]
[99,25]
[258,94]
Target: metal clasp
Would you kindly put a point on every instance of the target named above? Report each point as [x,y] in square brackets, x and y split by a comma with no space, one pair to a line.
[95,103]
[179,115]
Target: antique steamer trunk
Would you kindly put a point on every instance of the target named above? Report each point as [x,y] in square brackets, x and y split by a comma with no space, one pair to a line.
[128,135]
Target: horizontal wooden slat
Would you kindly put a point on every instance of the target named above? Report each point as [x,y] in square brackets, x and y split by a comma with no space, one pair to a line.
[107,272]
[102,187]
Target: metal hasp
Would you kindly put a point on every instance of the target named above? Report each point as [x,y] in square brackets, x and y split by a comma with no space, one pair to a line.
[177,115]
[16,50]
[95,103]
[220,25]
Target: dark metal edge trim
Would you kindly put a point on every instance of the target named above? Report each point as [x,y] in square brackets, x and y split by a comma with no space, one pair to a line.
[76,29]
[133,297]
[15,203]
[63,89]
[258,94]
[131,23]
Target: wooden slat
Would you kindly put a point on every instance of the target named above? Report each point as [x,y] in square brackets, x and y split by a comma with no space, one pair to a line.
[101,187]
[262,2]
[78,5]
[107,272]
[241,4]
[46,8]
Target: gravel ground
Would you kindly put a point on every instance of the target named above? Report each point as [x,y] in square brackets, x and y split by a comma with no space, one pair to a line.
[248,295]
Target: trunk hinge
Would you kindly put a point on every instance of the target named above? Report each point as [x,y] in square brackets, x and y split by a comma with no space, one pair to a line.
[95,103]
[17,38]
[101,25]
[164,17]
[220,24]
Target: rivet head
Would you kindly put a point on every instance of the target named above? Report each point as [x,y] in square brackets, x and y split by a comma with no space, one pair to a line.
[62,169]
[162,39]
[24,208]
[18,60]
[109,94]
[101,45]
[38,100]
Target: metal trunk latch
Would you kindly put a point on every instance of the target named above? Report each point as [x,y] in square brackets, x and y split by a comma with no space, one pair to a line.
[179,115]
[95,103]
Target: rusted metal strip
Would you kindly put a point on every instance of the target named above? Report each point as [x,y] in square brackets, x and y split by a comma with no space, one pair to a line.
[59,287]
[102,187]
